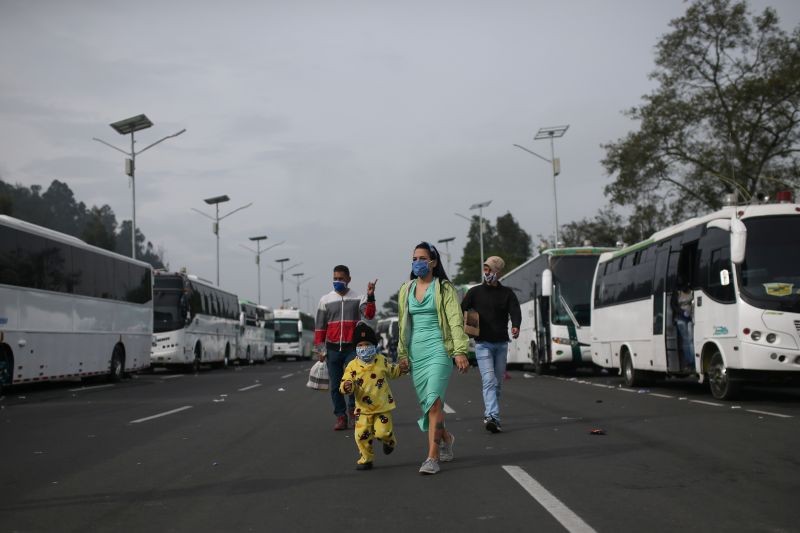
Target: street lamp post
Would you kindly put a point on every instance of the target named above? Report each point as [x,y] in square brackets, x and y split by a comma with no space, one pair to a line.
[551,133]
[282,271]
[479,206]
[215,201]
[258,251]
[124,127]
[297,276]
[447,242]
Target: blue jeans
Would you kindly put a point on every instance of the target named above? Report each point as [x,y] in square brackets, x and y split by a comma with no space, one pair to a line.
[337,361]
[686,341]
[491,357]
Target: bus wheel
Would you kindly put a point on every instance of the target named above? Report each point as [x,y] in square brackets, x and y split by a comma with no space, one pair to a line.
[632,377]
[722,387]
[226,362]
[539,368]
[6,368]
[117,365]
[249,358]
[266,352]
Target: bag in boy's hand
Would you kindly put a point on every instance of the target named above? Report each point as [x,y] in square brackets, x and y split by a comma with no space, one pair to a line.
[318,376]
[472,323]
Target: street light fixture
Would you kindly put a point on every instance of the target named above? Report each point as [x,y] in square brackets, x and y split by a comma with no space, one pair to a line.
[297,276]
[551,132]
[215,201]
[258,251]
[125,127]
[479,206]
[282,271]
[447,242]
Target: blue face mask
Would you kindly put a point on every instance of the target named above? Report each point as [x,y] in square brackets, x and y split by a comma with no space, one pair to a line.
[366,353]
[339,286]
[420,268]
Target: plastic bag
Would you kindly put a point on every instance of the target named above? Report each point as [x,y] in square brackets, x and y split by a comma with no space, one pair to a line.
[318,376]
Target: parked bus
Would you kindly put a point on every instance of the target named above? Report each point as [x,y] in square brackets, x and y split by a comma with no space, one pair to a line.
[294,334]
[69,310]
[255,338]
[194,322]
[554,291]
[388,331]
[742,266]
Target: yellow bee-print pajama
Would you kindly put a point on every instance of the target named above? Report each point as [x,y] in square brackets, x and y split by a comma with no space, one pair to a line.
[374,402]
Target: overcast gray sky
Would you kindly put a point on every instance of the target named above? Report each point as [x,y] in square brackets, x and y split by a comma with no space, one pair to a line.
[356,128]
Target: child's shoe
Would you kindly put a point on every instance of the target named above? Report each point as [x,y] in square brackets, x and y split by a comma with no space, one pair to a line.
[364,466]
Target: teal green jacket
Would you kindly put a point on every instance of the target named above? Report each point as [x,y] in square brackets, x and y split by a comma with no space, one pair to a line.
[451,319]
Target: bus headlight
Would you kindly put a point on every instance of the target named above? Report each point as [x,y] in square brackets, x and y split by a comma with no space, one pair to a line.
[771,338]
[756,335]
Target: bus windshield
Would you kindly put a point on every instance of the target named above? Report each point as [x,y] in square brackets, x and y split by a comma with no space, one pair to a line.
[769,277]
[572,277]
[286,330]
[167,315]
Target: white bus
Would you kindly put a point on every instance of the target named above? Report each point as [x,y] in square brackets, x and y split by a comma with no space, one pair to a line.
[554,291]
[742,265]
[69,310]
[256,336]
[194,322]
[294,334]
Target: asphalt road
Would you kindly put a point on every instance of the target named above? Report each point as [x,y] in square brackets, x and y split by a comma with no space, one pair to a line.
[252,449]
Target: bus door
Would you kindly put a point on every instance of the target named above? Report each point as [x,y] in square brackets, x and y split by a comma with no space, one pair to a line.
[659,307]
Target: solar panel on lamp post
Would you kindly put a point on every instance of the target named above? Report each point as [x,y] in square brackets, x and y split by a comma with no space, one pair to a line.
[130,126]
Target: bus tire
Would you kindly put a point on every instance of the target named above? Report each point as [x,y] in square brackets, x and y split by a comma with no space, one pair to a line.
[631,376]
[721,385]
[6,368]
[248,358]
[226,361]
[116,367]
[266,352]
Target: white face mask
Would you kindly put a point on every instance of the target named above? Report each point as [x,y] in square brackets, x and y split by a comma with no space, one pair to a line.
[489,277]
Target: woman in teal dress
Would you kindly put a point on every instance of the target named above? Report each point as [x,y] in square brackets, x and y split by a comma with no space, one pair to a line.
[431,336]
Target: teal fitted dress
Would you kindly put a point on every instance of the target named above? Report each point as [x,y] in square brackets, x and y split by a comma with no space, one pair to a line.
[430,365]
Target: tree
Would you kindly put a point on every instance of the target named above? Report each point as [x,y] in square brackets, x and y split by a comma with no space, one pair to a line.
[724,118]
[144,248]
[506,239]
[608,228]
[100,228]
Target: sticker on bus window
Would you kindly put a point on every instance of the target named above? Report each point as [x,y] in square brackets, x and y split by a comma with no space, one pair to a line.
[778,289]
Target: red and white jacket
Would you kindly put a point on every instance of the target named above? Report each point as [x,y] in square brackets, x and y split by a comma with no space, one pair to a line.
[337,316]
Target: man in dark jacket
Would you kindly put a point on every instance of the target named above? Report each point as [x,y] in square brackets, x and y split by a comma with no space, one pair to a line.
[495,304]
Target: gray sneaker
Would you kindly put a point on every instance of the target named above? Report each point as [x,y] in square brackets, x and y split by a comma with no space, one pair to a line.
[446,449]
[429,466]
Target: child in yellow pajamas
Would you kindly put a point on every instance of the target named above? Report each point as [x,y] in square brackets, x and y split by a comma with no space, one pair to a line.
[368,375]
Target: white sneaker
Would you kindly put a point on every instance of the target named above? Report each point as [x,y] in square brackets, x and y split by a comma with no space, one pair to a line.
[446,449]
[429,466]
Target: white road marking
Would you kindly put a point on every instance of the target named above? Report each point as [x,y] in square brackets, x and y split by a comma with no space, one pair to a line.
[626,390]
[250,387]
[287,376]
[712,404]
[661,395]
[571,522]
[93,387]
[159,415]
[449,410]
[173,376]
[604,386]
[768,413]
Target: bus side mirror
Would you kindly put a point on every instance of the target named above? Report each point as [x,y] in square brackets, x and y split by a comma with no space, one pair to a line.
[738,240]
[547,283]
[724,277]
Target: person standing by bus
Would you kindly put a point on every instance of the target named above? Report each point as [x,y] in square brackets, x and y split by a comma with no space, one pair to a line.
[495,304]
[682,307]
[431,337]
[337,315]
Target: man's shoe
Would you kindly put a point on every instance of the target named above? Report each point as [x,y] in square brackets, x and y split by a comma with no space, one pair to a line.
[429,466]
[341,423]
[364,466]
[387,448]
[446,449]
[493,426]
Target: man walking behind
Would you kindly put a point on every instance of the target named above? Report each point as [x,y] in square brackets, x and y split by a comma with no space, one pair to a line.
[337,315]
[495,304]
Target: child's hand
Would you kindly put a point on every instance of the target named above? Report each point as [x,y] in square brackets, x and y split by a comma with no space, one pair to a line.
[403,365]
[348,386]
